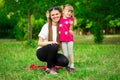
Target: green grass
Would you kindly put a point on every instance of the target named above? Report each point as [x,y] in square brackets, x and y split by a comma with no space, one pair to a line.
[92,61]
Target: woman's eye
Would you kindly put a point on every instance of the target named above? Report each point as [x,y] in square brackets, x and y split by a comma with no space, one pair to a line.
[52,15]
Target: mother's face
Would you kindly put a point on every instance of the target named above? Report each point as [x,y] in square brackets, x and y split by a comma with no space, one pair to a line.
[55,15]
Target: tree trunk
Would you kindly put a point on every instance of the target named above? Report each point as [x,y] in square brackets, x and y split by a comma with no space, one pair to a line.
[29,27]
[107,31]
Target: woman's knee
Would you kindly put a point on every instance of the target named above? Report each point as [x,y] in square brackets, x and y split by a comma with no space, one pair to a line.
[62,60]
[40,55]
[37,53]
[65,61]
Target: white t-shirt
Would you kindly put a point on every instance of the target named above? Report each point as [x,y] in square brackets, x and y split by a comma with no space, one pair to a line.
[44,33]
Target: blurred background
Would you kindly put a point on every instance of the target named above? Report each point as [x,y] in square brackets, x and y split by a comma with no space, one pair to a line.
[23,19]
[98,21]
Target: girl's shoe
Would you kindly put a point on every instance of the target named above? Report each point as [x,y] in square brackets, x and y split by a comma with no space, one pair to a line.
[68,68]
[72,70]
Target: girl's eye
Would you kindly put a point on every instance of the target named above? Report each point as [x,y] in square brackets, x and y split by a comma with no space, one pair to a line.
[56,13]
[70,11]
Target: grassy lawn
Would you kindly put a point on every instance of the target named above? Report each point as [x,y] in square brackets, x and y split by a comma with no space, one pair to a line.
[92,61]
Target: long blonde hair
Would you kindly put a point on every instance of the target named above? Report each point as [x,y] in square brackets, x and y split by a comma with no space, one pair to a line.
[69,7]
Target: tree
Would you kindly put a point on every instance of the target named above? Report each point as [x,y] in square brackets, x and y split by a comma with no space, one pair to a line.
[93,15]
[96,11]
[25,8]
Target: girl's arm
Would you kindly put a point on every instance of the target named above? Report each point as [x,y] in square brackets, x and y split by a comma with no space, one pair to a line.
[71,27]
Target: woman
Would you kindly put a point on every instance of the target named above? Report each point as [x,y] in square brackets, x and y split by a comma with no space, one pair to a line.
[48,43]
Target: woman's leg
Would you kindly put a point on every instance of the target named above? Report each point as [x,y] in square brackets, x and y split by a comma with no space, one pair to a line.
[47,54]
[52,51]
[41,54]
[61,60]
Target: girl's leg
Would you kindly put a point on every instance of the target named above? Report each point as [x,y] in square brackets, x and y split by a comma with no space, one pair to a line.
[64,49]
[70,52]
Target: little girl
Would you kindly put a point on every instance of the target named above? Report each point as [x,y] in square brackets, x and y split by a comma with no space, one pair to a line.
[66,34]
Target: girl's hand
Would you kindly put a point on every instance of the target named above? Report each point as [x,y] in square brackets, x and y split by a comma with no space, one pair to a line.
[47,14]
[71,32]
[71,22]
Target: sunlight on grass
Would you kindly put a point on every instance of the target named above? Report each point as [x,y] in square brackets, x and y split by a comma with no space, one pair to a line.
[92,61]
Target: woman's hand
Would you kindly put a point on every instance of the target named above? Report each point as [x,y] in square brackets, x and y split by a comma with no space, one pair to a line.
[42,43]
[52,42]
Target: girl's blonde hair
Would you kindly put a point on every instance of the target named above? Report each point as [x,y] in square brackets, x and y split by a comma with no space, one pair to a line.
[69,7]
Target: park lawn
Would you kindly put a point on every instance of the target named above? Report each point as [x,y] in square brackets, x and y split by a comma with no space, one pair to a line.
[92,61]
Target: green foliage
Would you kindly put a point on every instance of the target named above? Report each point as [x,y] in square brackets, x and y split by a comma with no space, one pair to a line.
[32,44]
[3,23]
[7,25]
[95,29]
[114,23]
[37,24]
[19,33]
[21,30]
[97,11]
[1,3]
[104,12]
[89,24]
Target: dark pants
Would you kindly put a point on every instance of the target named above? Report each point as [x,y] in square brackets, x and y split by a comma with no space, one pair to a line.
[50,55]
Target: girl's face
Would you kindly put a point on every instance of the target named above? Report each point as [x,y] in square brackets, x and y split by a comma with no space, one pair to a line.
[55,15]
[67,13]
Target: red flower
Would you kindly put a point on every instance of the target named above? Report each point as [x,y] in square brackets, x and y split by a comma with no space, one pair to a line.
[32,66]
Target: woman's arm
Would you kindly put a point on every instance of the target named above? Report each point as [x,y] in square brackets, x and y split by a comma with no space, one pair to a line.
[42,43]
